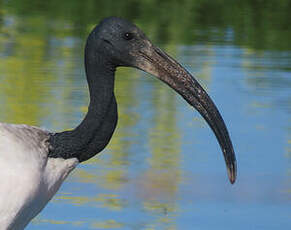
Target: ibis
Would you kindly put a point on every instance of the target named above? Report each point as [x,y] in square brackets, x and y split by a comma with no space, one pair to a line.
[34,162]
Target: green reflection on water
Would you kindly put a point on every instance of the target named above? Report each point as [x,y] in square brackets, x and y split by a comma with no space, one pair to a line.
[258,24]
[160,183]
[38,221]
[110,201]
[21,87]
[108,224]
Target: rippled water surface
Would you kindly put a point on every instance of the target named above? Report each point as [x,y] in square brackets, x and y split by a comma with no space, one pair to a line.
[163,168]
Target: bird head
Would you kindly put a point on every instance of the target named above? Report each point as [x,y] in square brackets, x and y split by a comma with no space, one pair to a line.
[124,44]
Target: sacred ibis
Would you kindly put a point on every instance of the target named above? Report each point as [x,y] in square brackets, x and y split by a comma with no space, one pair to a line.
[35,162]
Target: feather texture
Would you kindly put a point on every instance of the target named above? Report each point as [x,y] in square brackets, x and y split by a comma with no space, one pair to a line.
[28,178]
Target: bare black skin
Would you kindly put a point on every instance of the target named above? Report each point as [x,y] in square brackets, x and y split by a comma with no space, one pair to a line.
[113,43]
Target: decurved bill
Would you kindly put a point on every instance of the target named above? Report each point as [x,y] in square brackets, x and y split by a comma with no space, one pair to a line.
[154,61]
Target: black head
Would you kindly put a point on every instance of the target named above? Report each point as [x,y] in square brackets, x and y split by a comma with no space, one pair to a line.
[117,42]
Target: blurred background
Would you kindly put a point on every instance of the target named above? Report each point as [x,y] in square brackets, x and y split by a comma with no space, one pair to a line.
[163,168]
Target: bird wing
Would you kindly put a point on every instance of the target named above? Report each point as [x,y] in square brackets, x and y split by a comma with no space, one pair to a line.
[23,156]
[28,177]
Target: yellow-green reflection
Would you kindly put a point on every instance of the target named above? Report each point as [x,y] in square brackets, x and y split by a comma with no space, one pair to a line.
[20,82]
[109,224]
[161,181]
[39,221]
[110,179]
[110,201]
[27,69]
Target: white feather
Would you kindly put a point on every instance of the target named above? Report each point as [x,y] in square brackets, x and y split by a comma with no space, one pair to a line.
[28,178]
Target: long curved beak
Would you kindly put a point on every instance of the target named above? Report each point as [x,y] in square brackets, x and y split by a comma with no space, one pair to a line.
[153,60]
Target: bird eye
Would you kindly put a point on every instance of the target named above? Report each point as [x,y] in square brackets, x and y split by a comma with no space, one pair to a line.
[128,36]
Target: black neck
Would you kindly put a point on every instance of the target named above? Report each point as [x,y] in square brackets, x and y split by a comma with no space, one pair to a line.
[95,131]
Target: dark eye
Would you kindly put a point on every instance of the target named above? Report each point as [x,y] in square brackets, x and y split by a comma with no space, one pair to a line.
[128,36]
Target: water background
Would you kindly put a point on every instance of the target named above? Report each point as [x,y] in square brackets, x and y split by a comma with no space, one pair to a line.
[163,168]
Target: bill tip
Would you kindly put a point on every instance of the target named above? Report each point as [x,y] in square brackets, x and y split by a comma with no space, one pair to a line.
[232,173]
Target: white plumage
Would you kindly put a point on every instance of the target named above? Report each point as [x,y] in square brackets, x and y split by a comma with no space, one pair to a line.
[28,178]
